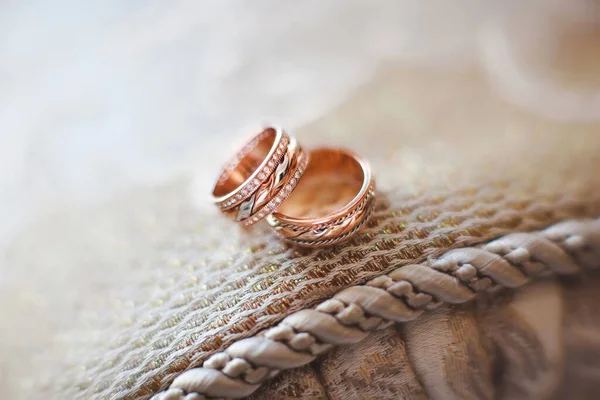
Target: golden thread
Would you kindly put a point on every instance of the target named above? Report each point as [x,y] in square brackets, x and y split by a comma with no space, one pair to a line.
[388,252]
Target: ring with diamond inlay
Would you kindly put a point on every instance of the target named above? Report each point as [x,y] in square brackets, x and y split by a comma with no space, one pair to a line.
[332,202]
[260,177]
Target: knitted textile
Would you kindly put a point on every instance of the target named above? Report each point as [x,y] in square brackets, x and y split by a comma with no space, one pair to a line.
[539,342]
[187,283]
[401,296]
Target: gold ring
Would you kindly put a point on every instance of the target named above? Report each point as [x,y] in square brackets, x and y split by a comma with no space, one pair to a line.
[334,199]
[260,177]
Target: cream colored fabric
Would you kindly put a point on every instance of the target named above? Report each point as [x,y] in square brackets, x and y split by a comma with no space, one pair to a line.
[401,296]
[120,299]
[536,343]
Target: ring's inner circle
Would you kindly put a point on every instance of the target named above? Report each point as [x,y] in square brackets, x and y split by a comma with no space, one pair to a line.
[331,180]
[252,157]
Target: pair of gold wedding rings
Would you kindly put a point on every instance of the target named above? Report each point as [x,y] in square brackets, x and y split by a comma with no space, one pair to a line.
[311,199]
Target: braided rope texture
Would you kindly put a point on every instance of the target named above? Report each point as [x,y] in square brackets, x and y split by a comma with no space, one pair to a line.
[203,284]
[327,231]
[269,280]
[400,296]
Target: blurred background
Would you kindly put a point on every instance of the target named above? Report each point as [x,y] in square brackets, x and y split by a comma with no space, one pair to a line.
[101,98]
[98,96]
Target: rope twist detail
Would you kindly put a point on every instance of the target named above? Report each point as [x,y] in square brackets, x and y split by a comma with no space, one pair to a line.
[402,295]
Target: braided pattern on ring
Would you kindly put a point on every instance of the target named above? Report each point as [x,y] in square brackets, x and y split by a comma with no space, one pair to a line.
[362,212]
[402,295]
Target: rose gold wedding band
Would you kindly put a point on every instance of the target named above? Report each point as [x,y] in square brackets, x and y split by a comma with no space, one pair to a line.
[260,177]
[334,199]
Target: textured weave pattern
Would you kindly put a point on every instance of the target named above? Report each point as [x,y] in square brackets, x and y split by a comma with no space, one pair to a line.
[190,332]
[539,342]
[382,372]
[401,296]
[202,284]
[376,368]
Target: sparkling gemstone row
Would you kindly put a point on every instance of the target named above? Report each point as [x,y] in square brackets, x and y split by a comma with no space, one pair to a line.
[240,155]
[260,178]
[283,194]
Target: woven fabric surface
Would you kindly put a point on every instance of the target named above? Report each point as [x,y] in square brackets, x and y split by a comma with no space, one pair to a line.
[401,296]
[451,174]
[376,368]
[539,342]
